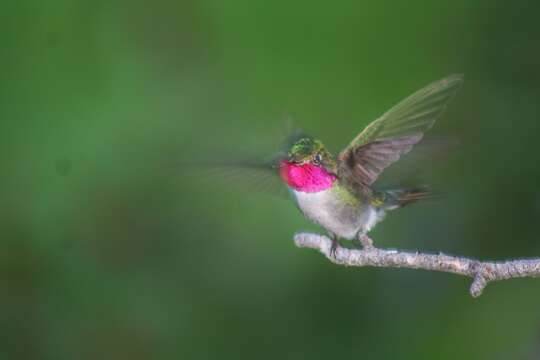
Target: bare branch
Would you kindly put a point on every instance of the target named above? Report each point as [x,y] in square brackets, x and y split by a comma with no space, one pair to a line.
[481,272]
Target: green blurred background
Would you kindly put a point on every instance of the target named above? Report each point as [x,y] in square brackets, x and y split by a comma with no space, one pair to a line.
[110,250]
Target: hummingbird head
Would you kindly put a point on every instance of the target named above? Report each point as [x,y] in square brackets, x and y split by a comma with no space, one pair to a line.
[308,150]
[309,167]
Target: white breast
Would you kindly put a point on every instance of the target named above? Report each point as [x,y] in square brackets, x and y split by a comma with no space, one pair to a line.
[327,210]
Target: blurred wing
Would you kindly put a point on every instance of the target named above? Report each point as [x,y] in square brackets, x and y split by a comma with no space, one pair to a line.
[419,165]
[244,172]
[393,134]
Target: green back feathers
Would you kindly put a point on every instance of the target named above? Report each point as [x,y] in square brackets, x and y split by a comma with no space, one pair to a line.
[346,195]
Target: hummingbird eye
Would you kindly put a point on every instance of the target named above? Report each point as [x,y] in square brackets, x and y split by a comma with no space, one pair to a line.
[317,159]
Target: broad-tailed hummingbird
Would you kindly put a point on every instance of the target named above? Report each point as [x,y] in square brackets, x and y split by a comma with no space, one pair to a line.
[339,192]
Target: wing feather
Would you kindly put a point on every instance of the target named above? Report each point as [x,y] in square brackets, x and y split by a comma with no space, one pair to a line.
[394,134]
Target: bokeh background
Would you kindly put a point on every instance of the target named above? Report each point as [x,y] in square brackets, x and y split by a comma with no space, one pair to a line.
[111,249]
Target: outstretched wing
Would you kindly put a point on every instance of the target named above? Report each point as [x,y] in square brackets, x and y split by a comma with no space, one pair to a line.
[245,169]
[393,134]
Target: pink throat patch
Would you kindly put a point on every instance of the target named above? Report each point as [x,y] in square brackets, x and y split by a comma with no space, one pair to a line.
[306,177]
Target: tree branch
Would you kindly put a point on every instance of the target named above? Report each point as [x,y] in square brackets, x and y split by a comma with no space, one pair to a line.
[481,271]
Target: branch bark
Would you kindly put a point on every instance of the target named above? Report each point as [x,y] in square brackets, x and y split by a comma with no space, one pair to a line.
[482,272]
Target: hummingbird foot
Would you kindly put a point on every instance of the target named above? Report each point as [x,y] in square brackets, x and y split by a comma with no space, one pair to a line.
[334,247]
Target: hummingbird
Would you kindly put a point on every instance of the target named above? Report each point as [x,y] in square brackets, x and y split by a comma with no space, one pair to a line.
[340,193]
